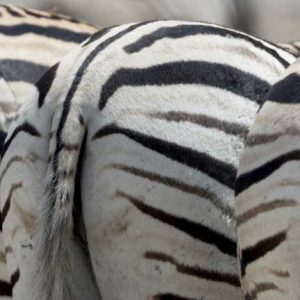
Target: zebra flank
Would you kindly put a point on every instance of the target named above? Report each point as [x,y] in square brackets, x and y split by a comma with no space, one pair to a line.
[128,169]
[267,196]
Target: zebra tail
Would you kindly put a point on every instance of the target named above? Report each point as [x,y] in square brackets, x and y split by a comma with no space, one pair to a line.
[62,261]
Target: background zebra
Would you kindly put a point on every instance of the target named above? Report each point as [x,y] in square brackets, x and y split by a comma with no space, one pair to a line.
[272,20]
[267,192]
[163,109]
[31,42]
[292,47]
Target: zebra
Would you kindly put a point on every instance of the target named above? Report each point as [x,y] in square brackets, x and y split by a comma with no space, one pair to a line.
[31,42]
[267,196]
[130,147]
[292,47]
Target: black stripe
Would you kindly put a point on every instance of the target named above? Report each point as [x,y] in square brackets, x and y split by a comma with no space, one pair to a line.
[264,208]
[45,82]
[3,135]
[26,127]
[8,250]
[261,288]
[251,254]
[296,47]
[180,31]
[52,16]
[78,77]
[258,174]
[21,70]
[188,72]
[195,271]
[196,230]
[12,12]
[222,172]
[12,160]
[279,273]
[47,31]
[202,192]
[203,120]
[14,278]
[78,223]
[248,297]
[5,289]
[286,91]
[97,35]
[169,296]
[6,207]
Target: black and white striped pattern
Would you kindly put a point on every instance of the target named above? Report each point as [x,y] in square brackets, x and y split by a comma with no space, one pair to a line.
[268,196]
[31,42]
[292,46]
[161,111]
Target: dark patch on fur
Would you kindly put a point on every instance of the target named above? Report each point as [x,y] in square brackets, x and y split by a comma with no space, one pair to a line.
[45,82]
[286,91]
[22,70]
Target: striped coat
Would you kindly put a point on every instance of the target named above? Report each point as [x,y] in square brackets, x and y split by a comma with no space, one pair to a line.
[160,112]
[267,194]
[31,42]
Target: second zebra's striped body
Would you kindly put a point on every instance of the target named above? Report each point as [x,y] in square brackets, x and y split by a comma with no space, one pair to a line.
[160,111]
[267,191]
[31,42]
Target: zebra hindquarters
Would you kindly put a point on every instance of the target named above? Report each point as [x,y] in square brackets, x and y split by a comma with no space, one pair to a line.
[21,184]
[24,169]
[150,233]
[157,227]
[268,197]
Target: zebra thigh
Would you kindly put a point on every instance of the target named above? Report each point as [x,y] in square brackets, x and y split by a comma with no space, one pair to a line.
[157,228]
[267,190]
